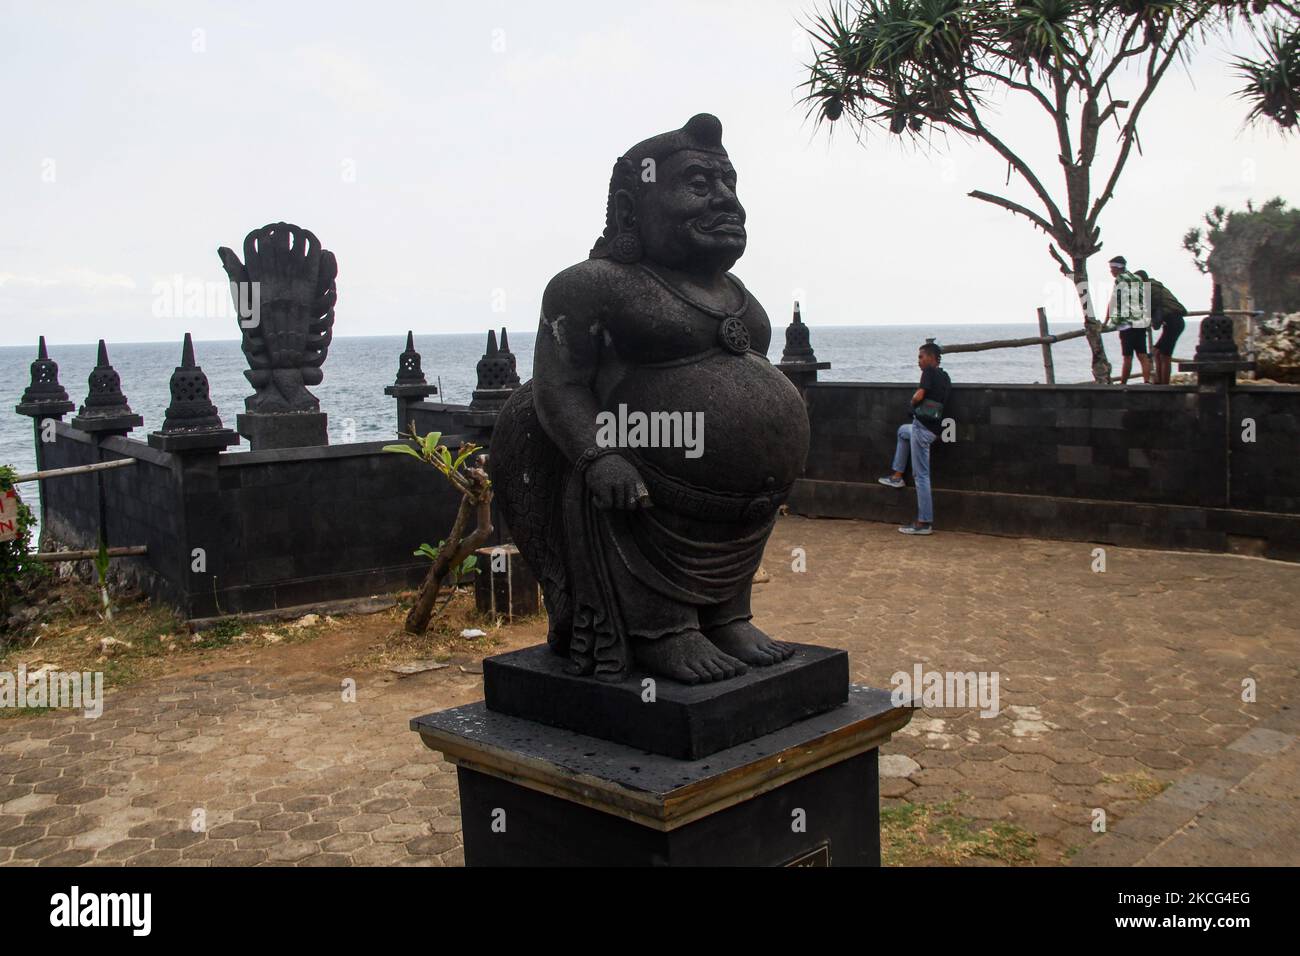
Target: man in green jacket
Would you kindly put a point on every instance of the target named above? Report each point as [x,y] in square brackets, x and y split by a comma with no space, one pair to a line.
[1130,313]
[1168,316]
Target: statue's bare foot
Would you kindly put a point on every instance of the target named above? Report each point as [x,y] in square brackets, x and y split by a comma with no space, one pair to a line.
[688,657]
[744,641]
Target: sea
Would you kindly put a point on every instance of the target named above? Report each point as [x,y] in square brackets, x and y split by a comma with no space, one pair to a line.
[357,369]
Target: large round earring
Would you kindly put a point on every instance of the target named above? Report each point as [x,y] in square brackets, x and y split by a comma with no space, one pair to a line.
[625,248]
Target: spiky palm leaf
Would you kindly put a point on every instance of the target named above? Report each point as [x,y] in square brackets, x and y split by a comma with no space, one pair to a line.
[1273,81]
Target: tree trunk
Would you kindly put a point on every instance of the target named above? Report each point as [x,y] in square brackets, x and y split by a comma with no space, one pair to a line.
[1101,367]
[454,550]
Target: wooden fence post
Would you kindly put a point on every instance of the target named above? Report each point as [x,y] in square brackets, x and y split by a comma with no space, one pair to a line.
[1048,369]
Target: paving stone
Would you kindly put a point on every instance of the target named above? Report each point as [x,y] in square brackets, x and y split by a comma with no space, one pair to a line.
[399,832]
[1262,742]
[69,858]
[291,851]
[363,823]
[1195,791]
[314,831]
[1098,680]
[383,805]
[179,839]
[1112,850]
[378,854]
[123,850]
[40,849]
[345,842]
[896,765]
[239,858]
[284,821]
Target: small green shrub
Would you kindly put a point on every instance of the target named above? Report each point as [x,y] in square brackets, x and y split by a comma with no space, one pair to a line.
[18,570]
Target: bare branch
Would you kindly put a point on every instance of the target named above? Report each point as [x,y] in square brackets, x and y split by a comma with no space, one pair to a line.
[1059,225]
[1015,207]
[1110,109]
[1125,52]
[1013,84]
[1065,268]
[1129,133]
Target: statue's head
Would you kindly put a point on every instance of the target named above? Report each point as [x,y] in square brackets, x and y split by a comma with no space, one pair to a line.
[672,200]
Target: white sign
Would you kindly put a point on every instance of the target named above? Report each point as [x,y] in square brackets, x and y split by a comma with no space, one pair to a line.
[8,515]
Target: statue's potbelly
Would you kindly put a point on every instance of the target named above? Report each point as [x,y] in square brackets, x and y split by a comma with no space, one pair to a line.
[755,426]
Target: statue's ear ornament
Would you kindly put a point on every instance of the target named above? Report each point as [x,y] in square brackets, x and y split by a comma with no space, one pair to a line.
[626,248]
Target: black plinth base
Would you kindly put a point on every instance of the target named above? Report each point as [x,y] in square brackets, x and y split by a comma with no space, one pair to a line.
[414,391]
[840,822]
[209,439]
[107,424]
[283,429]
[532,795]
[677,720]
[54,409]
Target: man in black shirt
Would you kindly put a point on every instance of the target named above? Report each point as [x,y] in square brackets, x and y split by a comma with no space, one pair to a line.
[916,437]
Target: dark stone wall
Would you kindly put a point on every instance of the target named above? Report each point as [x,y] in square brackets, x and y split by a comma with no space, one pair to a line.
[1078,441]
[141,507]
[279,528]
[1147,466]
[1265,474]
[439,417]
[300,526]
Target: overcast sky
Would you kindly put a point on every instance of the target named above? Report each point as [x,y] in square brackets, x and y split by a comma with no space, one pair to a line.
[455,156]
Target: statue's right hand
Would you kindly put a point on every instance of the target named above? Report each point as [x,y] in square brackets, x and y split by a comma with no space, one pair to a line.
[615,483]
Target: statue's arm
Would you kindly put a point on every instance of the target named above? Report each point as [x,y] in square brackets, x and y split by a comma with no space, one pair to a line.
[565,361]
[566,358]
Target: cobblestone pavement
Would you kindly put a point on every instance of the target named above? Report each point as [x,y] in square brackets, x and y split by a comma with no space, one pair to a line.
[1111,685]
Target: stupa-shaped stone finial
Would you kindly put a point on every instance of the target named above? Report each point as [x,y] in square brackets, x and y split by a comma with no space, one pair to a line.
[798,361]
[513,380]
[105,409]
[44,396]
[408,364]
[798,347]
[1216,342]
[496,378]
[192,422]
[410,384]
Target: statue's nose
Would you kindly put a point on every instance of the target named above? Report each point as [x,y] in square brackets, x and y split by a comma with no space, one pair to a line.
[724,198]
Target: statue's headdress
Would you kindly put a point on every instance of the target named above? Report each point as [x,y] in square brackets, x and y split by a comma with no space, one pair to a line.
[702,133]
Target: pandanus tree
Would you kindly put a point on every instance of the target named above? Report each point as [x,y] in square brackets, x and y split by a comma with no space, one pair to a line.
[1273,76]
[915,67]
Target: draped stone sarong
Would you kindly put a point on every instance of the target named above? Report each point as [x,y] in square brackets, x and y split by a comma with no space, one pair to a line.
[684,564]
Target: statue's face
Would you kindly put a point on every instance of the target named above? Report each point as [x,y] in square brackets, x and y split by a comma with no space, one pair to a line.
[690,214]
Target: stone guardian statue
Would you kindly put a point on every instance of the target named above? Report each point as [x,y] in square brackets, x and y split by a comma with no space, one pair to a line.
[646,538]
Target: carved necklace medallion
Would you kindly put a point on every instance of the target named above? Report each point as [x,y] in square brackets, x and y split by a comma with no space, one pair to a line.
[733,334]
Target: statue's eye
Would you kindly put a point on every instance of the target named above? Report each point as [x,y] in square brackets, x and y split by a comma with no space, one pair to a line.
[699,184]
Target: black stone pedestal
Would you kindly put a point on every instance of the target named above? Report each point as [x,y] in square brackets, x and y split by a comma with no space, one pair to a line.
[533,795]
[283,429]
[665,717]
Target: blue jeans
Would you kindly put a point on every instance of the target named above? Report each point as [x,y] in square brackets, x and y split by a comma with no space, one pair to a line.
[917,439]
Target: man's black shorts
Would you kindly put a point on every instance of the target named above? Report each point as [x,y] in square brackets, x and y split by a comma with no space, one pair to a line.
[1133,340]
[1169,336]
